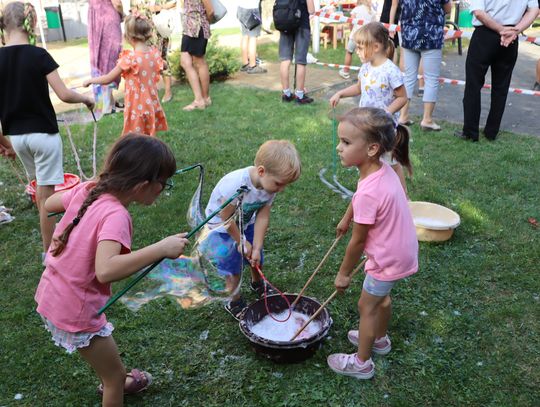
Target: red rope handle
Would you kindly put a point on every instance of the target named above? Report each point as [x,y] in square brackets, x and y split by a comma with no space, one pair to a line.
[258,269]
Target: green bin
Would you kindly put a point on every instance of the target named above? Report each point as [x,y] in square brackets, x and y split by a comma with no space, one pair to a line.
[53,17]
[465,19]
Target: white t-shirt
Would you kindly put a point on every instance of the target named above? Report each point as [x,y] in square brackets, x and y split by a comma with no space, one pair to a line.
[253,200]
[502,11]
[377,84]
[363,13]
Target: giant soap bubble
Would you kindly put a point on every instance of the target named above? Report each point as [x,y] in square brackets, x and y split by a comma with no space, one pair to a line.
[192,280]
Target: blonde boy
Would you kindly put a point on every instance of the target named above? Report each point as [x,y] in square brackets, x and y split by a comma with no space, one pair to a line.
[277,164]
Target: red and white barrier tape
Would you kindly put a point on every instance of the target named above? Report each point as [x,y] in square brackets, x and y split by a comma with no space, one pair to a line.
[449,34]
[441,80]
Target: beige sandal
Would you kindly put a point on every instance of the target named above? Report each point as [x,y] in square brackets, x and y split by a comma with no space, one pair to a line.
[194,106]
[208,102]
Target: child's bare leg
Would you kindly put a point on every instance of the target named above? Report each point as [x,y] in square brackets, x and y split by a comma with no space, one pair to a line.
[168,93]
[102,355]
[368,307]
[348,61]
[46,224]
[255,276]
[231,283]
[244,46]
[384,315]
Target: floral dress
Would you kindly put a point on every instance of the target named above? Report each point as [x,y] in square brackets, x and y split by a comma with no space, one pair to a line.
[143,112]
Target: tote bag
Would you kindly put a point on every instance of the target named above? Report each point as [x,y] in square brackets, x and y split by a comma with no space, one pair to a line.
[219,10]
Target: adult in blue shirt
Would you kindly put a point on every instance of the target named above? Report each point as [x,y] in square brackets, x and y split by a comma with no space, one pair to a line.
[422,34]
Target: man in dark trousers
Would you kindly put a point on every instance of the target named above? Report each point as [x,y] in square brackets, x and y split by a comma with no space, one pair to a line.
[494,44]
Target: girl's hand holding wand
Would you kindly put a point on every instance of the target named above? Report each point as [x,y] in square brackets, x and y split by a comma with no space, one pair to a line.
[342,282]
[173,246]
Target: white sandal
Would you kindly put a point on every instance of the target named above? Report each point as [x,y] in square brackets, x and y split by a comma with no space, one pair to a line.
[5,217]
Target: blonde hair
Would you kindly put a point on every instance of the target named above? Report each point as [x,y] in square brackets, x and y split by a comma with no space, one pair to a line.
[138,26]
[370,34]
[279,158]
[18,15]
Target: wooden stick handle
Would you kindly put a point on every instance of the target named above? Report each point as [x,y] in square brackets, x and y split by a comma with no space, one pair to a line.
[316,270]
[324,304]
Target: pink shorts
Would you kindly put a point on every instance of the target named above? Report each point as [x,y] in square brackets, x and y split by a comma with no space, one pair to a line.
[71,341]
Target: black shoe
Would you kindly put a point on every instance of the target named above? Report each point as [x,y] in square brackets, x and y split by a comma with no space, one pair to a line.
[536,87]
[285,98]
[459,134]
[259,288]
[304,101]
[236,308]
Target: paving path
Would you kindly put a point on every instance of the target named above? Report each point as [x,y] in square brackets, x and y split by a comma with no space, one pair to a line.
[520,115]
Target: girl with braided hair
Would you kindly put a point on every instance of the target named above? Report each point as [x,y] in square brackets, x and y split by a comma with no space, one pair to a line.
[26,112]
[91,249]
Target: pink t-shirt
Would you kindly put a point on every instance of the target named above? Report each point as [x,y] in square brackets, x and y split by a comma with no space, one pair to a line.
[69,294]
[391,244]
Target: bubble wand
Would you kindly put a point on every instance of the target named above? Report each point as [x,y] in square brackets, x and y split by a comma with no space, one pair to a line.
[241,190]
[324,304]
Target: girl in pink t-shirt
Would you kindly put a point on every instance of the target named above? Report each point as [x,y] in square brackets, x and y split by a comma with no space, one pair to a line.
[91,248]
[383,229]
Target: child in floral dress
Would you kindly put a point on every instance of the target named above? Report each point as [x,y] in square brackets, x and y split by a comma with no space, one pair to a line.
[141,70]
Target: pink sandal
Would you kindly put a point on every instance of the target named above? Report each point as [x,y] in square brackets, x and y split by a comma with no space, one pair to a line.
[141,381]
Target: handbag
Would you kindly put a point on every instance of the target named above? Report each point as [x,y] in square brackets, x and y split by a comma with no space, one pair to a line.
[164,22]
[253,20]
[219,10]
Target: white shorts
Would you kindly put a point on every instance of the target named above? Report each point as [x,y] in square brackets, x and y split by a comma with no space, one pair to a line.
[41,155]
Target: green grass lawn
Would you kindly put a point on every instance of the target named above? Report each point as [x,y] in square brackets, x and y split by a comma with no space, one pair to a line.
[465,329]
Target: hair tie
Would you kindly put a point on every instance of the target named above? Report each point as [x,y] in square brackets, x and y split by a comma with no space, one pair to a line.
[28,22]
[76,220]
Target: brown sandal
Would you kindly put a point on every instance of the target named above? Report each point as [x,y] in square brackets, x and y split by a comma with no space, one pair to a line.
[141,381]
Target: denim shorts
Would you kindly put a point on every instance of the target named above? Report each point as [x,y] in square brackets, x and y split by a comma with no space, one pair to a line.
[376,287]
[297,42]
[221,250]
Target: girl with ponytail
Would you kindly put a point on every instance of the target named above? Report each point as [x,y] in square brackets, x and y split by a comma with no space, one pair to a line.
[91,249]
[383,230]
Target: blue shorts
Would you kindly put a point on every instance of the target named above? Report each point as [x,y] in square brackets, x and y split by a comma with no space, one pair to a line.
[221,250]
[376,287]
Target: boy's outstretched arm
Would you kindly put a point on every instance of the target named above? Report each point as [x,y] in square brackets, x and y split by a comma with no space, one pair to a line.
[261,226]
[354,251]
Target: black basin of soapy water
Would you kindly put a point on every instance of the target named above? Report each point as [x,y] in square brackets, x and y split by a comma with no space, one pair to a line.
[285,351]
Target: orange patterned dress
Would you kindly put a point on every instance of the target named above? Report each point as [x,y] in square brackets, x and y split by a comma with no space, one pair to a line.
[141,72]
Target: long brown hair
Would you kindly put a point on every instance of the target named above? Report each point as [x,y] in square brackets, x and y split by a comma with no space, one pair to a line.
[378,126]
[133,159]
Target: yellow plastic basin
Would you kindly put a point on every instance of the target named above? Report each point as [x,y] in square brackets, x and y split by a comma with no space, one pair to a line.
[434,223]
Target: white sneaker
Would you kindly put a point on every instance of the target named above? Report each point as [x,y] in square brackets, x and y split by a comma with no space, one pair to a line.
[310,58]
[344,74]
[349,365]
[381,346]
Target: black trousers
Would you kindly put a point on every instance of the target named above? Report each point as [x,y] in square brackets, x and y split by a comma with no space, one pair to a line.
[486,52]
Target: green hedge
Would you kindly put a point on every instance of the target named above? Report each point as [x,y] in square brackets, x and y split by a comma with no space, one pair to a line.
[222,61]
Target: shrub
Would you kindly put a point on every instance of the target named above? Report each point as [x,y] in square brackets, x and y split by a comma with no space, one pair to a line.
[222,61]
